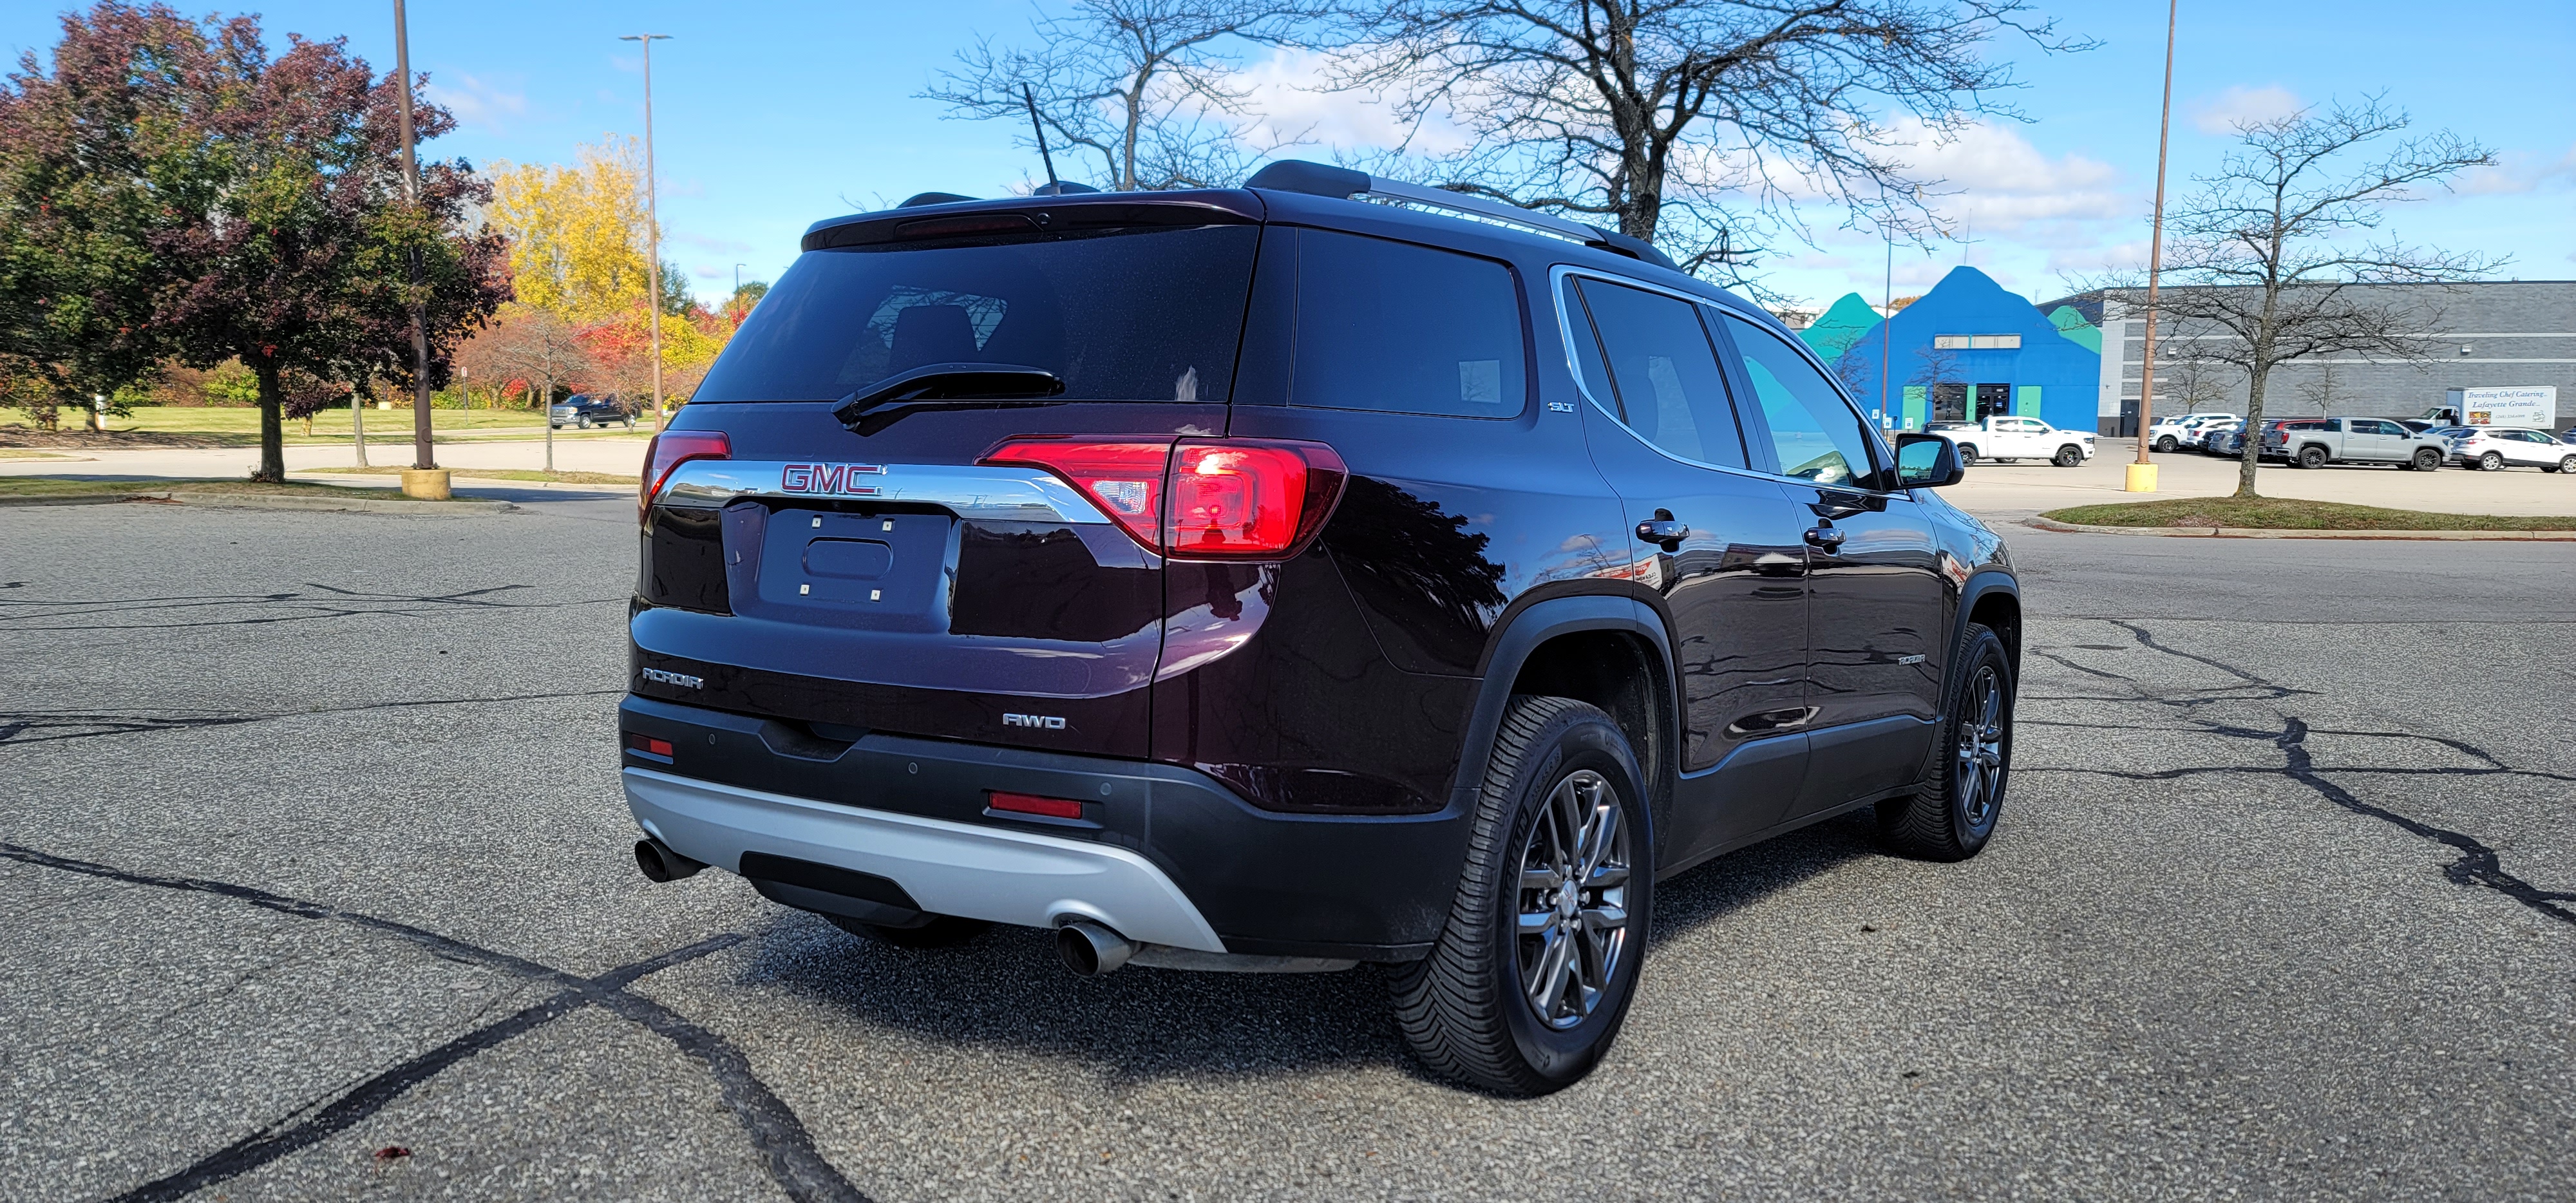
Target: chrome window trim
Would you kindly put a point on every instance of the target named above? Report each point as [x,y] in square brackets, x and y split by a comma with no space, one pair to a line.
[1556,278]
[982,493]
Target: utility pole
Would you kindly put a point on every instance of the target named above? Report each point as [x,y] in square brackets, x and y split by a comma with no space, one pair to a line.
[1887,294]
[653,222]
[424,479]
[2142,474]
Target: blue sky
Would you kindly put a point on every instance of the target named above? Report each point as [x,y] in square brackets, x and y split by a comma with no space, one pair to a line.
[770,115]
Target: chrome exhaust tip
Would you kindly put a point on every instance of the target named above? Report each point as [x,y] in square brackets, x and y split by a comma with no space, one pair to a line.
[659,863]
[1089,950]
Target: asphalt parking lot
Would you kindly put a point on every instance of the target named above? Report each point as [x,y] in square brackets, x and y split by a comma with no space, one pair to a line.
[312,849]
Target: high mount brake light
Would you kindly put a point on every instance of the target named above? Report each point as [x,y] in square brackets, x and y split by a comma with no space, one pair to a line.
[668,451]
[1198,499]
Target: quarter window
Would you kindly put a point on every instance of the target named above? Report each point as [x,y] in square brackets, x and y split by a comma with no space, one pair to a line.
[1659,371]
[1401,328]
[1816,434]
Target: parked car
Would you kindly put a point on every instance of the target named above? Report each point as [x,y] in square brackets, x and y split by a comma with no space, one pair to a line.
[1222,580]
[2220,438]
[2356,441]
[2173,432]
[2006,438]
[2495,448]
[585,410]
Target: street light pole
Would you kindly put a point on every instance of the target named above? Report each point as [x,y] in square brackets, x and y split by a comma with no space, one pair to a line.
[423,459]
[652,219]
[2142,474]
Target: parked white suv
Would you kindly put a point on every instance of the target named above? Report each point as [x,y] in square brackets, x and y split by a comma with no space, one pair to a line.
[2186,430]
[2494,448]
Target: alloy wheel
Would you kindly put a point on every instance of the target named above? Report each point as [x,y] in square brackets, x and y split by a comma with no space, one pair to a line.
[2492,461]
[1981,748]
[1572,926]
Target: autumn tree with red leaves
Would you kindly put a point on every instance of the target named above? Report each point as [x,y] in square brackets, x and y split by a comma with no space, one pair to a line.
[282,233]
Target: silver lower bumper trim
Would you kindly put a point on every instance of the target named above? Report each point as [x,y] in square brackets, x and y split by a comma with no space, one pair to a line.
[974,872]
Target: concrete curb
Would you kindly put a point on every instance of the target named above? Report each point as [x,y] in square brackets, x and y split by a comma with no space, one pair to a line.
[2242,532]
[259,501]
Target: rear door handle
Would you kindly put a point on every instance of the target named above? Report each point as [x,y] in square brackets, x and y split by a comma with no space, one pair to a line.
[1824,538]
[1663,528]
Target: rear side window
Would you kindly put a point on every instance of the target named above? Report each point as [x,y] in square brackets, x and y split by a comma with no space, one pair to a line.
[1662,373]
[1400,328]
[1130,315]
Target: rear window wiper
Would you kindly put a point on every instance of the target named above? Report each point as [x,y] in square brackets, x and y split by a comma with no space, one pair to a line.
[951,381]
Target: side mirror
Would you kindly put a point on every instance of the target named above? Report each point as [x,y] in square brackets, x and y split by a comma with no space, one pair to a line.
[1927,461]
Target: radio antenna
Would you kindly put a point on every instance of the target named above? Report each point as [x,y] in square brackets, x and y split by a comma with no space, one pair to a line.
[1031,100]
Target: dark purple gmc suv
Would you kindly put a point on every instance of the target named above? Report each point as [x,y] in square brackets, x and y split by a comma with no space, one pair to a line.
[1324,571]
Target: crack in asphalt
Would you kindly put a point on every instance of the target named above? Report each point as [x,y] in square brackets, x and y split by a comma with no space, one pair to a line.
[91,725]
[780,1137]
[2479,864]
[350,603]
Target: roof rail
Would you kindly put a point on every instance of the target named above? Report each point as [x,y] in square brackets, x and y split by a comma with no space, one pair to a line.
[1342,183]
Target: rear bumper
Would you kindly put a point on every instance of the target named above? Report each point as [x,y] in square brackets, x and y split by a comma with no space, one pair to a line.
[949,868]
[1163,854]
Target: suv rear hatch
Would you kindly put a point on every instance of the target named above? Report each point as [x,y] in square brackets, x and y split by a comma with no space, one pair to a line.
[878,573]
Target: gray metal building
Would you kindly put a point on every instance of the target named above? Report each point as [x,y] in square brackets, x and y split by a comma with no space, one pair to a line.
[2518,333]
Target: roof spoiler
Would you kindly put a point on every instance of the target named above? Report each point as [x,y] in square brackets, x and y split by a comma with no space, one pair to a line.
[1342,183]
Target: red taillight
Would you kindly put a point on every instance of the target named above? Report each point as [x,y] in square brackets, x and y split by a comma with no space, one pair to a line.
[1032,804]
[1124,478]
[1218,499]
[669,450]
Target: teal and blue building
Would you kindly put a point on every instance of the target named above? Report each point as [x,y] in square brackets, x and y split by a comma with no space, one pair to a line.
[1963,351]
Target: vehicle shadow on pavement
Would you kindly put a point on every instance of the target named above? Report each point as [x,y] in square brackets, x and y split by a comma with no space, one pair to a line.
[1748,875]
[1005,987]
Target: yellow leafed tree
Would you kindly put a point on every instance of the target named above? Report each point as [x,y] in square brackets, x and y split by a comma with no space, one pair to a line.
[577,233]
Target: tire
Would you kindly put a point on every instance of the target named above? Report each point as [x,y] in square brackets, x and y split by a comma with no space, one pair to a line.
[2492,461]
[1964,778]
[2428,459]
[1562,777]
[2567,465]
[2312,457]
[2166,444]
[942,931]
[582,422]
[1967,455]
[2068,456]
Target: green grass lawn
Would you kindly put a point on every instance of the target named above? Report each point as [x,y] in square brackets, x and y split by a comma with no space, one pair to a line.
[60,486]
[240,426]
[2285,513]
[567,478]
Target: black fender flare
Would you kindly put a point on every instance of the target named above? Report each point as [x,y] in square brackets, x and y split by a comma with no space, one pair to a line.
[1522,634]
[1980,584]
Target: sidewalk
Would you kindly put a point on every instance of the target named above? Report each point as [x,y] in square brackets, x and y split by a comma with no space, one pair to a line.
[620,456]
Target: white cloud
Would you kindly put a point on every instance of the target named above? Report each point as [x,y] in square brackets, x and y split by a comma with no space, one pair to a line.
[2239,103]
[1291,103]
[478,102]
[1998,182]
[2518,171]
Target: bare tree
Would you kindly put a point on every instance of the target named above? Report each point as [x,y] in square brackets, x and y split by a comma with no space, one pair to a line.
[1141,91]
[533,345]
[1702,124]
[2198,380]
[2274,249]
[2319,390]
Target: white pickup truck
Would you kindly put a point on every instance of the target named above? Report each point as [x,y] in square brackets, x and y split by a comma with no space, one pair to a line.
[2007,438]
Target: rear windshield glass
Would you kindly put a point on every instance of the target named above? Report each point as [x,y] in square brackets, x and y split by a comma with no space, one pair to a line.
[1149,315]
